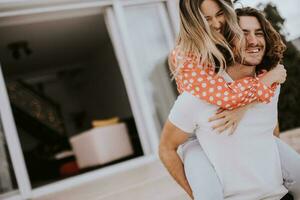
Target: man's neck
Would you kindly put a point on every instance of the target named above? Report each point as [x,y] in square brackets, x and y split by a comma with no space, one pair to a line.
[239,71]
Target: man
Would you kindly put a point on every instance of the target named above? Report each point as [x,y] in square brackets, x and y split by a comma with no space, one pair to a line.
[254,28]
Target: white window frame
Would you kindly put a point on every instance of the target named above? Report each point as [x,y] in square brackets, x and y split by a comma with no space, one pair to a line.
[13,142]
[174,16]
[122,52]
[119,7]
[125,55]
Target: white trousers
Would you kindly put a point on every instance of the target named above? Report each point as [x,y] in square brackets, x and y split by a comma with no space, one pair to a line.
[205,183]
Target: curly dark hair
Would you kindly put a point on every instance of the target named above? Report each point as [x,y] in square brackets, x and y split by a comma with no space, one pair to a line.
[274,44]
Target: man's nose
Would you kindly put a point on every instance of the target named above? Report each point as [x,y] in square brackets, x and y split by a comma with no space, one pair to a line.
[251,39]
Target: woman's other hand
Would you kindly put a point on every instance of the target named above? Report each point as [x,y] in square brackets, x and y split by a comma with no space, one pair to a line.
[276,75]
[228,119]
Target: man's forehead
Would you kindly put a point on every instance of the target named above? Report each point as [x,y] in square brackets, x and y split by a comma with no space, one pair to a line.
[249,23]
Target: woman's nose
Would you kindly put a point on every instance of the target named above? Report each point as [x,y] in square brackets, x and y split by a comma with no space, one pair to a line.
[216,24]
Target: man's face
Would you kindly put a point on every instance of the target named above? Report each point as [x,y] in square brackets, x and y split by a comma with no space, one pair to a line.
[255,40]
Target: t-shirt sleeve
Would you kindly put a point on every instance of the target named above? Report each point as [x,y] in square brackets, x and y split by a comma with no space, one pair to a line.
[184,112]
[202,82]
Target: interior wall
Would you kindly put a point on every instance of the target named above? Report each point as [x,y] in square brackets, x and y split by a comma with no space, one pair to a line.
[65,90]
[108,96]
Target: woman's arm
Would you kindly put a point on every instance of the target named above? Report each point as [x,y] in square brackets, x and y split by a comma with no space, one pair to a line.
[171,138]
[277,75]
[229,119]
[203,83]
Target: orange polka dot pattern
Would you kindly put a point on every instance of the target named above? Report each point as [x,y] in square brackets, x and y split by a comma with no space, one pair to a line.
[205,84]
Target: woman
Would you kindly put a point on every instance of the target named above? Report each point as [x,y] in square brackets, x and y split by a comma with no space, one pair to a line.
[193,60]
[216,20]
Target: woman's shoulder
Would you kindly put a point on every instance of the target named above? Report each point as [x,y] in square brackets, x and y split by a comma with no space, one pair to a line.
[182,58]
[180,52]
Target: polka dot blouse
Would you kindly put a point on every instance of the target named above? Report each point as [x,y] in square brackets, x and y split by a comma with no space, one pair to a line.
[205,84]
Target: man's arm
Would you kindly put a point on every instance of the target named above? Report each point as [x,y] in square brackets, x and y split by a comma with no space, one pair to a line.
[171,138]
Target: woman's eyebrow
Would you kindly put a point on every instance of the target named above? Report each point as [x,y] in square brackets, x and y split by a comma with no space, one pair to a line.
[256,30]
[220,11]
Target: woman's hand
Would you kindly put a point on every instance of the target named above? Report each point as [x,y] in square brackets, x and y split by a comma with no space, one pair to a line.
[276,75]
[228,119]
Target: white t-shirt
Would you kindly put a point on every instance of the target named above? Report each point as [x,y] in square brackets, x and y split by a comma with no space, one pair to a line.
[247,162]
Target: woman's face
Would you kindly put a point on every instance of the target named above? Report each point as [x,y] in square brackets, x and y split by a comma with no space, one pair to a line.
[213,14]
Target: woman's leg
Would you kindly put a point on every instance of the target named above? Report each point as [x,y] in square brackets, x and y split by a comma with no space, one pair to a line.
[290,164]
[201,175]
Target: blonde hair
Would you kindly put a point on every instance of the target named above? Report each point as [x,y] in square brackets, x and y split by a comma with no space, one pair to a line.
[196,37]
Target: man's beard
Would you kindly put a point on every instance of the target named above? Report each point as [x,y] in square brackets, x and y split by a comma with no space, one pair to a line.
[249,63]
[242,59]
[246,63]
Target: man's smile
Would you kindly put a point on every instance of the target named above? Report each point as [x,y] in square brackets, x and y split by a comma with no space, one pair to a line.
[254,50]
